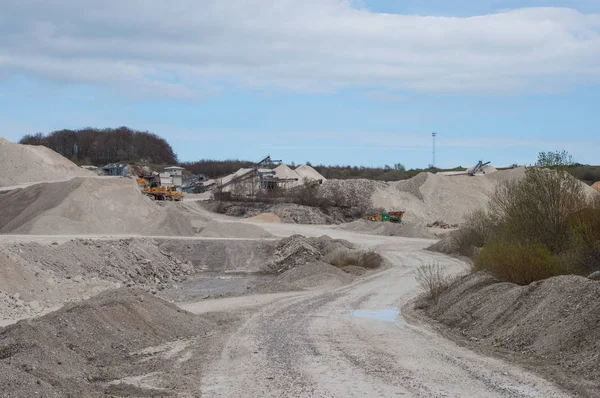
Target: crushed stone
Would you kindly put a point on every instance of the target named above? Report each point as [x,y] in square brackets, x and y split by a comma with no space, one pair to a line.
[21,164]
[554,320]
[88,206]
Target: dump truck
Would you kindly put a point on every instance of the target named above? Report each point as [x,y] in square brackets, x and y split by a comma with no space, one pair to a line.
[163,193]
[392,216]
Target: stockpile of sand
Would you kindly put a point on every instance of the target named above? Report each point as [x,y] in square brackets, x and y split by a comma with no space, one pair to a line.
[388,229]
[35,276]
[21,164]
[308,172]
[87,206]
[283,171]
[428,198]
[308,263]
[554,320]
[94,348]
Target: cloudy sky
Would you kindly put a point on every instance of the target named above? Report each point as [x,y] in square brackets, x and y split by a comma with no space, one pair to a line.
[360,82]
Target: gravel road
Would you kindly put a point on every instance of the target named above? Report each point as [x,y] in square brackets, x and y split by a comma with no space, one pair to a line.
[353,342]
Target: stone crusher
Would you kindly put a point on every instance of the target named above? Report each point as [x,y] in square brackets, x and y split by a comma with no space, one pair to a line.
[392,216]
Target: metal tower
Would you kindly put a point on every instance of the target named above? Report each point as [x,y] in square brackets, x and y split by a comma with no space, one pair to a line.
[433,135]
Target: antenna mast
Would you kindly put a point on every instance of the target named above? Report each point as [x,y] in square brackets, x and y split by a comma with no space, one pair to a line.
[433,135]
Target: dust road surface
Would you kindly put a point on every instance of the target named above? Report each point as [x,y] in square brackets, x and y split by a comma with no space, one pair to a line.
[353,342]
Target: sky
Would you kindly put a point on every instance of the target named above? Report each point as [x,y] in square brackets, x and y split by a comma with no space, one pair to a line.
[359,82]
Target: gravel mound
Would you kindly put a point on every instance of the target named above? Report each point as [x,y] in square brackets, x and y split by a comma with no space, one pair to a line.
[80,349]
[35,277]
[305,171]
[309,276]
[216,229]
[283,171]
[388,229]
[554,320]
[306,263]
[21,164]
[87,206]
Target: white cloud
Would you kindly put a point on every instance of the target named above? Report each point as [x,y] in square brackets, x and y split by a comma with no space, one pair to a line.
[187,48]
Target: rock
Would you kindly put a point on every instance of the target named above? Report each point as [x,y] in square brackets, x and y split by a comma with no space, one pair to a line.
[78,279]
[19,303]
[16,296]
[595,276]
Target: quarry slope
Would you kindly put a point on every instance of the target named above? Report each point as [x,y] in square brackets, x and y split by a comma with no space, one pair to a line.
[87,206]
[553,323]
[21,164]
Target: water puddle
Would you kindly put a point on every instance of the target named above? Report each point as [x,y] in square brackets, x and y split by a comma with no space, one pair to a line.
[380,315]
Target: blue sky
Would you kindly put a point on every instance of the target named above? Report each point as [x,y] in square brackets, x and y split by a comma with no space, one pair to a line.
[325,81]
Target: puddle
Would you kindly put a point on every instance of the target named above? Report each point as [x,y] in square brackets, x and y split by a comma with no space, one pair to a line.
[380,315]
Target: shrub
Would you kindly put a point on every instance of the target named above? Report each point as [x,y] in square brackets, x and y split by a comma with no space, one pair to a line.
[367,259]
[516,262]
[432,279]
[584,242]
[538,208]
[345,259]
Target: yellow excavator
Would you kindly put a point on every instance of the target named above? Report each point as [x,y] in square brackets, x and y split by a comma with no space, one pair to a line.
[160,193]
[164,193]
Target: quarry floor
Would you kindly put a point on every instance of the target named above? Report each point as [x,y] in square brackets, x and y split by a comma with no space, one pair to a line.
[354,341]
[351,341]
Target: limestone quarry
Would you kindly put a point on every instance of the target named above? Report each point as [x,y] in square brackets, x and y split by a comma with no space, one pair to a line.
[106,292]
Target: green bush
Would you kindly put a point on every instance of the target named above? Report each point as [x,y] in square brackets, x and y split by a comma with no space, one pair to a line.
[538,207]
[516,262]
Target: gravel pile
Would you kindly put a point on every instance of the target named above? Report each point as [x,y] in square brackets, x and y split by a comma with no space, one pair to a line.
[555,321]
[92,348]
[21,164]
[36,277]
[305,263]
[305,171]
[88,206]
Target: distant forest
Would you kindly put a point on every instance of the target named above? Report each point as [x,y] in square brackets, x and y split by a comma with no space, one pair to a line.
[102,146]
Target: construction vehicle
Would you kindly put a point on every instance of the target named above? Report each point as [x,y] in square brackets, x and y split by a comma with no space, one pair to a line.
[392,216]
[163,193]
[478,167]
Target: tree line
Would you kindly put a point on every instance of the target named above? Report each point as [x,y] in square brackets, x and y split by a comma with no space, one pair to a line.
[102,146]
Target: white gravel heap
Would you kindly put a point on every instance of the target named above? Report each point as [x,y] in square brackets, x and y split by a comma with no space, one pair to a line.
[20,164]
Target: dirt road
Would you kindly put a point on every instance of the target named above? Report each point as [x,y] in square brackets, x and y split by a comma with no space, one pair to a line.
[353,342]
